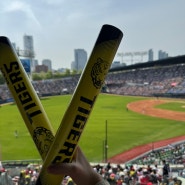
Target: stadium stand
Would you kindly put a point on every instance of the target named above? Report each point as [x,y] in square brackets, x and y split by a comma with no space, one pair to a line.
[155,81]
[115,174]
[173,154]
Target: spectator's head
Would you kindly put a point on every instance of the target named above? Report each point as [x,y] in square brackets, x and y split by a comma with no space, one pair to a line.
[154,171]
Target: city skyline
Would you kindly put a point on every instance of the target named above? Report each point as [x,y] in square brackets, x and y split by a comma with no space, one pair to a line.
[59,27]
[81,56]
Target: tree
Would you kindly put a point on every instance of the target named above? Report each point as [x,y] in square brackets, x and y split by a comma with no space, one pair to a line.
[36,76]
[67,73]
[49,75]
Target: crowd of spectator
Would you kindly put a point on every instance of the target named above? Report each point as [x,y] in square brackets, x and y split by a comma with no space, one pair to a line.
[173,154]
[46,87]
[114,174]
[147,81]
[56,86]
[4,92]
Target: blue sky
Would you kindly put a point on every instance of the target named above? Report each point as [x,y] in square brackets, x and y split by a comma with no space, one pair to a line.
[60,26]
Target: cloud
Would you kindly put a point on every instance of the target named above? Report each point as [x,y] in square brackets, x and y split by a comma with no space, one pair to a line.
[19,7]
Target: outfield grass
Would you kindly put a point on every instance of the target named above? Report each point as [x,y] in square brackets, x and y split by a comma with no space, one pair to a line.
[175,106]
[126,129]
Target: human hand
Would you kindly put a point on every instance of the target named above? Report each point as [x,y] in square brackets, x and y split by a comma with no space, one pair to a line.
[79,170]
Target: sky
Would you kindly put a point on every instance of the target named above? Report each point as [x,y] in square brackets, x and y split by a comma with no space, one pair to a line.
[60,26]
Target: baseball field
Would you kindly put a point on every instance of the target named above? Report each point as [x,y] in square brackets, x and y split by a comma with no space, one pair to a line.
[131,122]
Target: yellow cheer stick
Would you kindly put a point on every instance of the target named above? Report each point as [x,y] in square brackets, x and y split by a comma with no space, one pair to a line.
[82,102]
[25,97]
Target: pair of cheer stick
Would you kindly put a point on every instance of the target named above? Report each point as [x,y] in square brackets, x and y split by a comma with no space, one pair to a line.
[59,147]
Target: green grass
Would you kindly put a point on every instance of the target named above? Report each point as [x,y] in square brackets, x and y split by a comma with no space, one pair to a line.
[126,129]
[175,106]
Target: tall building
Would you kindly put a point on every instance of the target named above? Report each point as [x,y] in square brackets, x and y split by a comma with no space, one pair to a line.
[150,55]
[48,63]
[28,49]
[162,55]
[28,45]
[80,56]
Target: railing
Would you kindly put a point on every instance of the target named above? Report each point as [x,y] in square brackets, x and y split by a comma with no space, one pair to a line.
[21,163]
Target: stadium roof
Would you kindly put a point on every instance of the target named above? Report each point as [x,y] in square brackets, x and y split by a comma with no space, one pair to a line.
[162,62]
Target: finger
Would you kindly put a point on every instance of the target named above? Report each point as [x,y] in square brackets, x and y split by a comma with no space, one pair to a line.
[79,157]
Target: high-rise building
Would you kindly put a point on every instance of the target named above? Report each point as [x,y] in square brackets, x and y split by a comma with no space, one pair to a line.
[80,56]
[162,55]
[28,51]
[48,63]
[150,55]
[28,45]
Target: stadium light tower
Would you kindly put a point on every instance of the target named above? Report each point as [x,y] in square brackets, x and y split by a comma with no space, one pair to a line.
[132,55]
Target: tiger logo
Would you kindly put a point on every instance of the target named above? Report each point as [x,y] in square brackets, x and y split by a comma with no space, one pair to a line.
[99,70]
[43,139]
